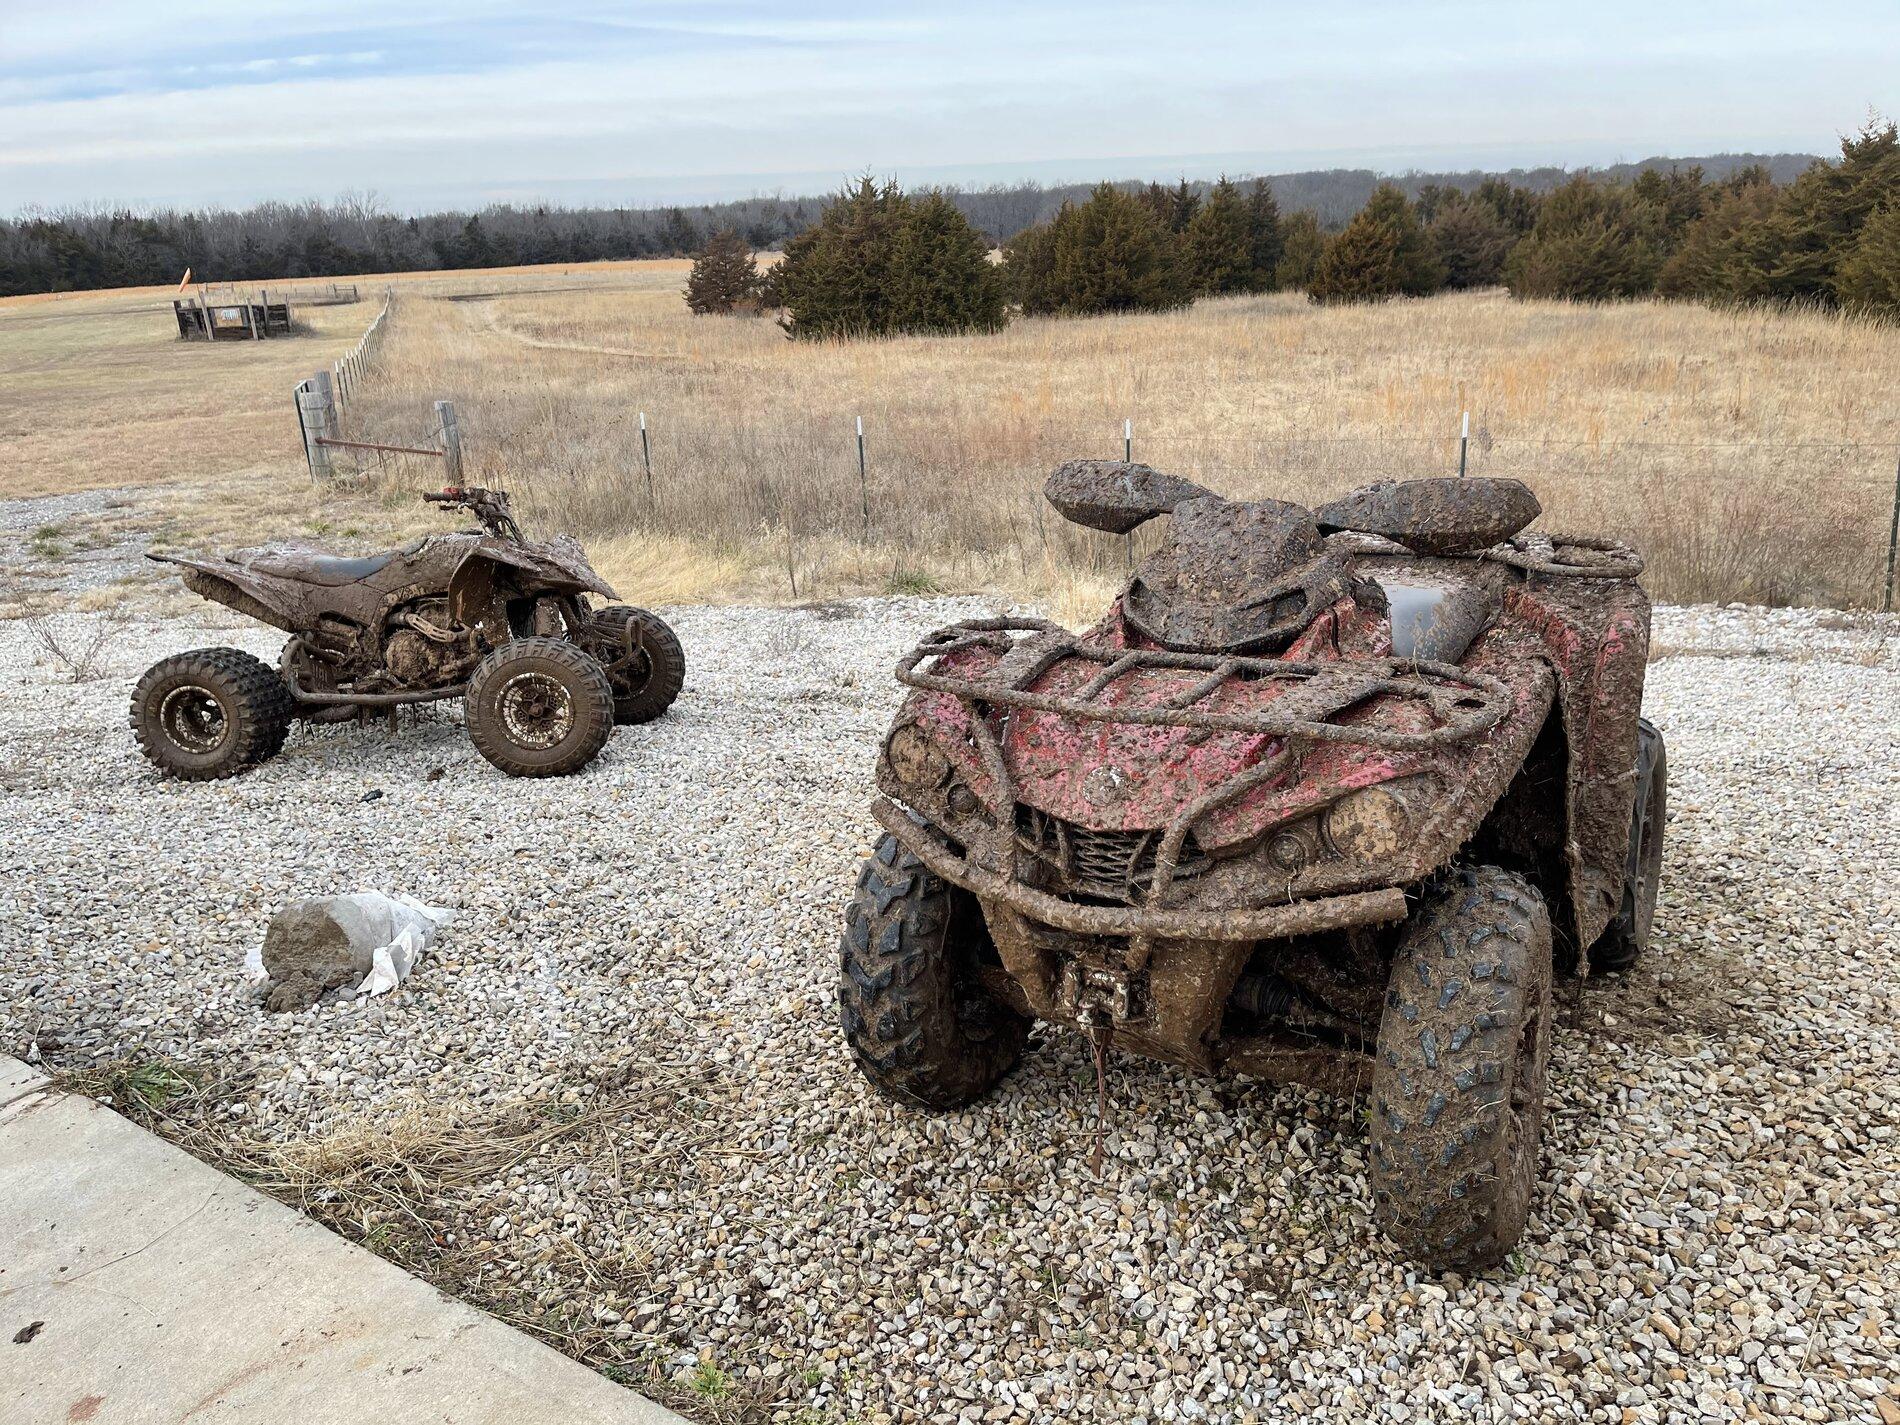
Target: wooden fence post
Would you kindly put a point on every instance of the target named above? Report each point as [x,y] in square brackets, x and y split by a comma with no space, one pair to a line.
[316,414]
[451,440]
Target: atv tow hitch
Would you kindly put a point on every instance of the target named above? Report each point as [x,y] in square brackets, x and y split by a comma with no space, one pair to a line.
[1100,1029]
[1099,998]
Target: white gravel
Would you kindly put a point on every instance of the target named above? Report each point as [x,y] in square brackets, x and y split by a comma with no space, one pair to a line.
[1718,1237]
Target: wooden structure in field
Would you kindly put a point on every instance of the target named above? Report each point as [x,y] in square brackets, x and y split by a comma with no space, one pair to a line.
[202,320]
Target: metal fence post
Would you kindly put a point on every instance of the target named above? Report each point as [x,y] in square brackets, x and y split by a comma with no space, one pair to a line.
[646,457]
[1464,443]
[451,440]
[1893,541]
[864,483]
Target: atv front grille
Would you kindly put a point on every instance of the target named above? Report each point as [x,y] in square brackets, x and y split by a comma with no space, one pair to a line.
[1315,703]
[1108,865]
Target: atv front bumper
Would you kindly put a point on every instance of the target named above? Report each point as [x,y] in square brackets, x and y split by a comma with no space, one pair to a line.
[1274,922]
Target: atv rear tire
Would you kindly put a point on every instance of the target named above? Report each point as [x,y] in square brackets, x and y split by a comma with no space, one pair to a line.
[1627,937]
[539,707]
[210,713]
[921,1025]
[647,682]
[1458,1084]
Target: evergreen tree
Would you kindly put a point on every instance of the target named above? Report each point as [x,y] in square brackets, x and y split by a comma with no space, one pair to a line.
[1419,271]
[724,274]
[1471,241]
[943,279]
[679,237]
[1868,278]
[1818,218]
[1593,242]
[1361,264]
[1383,252]
[836,278]
[1220,251]
[1265,241]
[1301,246]
[1029,265]
[1516,207]
[877,262]
[1713,260]
[1185,204]
[1110,254]
[1160,202]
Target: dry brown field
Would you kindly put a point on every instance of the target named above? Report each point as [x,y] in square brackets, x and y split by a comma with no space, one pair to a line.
[1750,453]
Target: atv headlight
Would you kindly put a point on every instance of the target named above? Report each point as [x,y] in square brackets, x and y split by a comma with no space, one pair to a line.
[915,760]
[1368,825]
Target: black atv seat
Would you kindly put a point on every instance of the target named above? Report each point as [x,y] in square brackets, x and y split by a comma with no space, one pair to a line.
[326,569]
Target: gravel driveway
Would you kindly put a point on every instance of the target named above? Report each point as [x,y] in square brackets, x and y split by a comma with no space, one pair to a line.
[646,954]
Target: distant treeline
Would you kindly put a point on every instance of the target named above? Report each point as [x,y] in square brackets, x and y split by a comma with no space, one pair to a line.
[881,261]
[76,250]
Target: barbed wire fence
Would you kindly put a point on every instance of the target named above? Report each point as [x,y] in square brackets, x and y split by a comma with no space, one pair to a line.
[908,489]
[910,486]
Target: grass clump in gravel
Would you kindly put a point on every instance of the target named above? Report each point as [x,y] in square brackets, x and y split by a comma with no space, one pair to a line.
[141,1089]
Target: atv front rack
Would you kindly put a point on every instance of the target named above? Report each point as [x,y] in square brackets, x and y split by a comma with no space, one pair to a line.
[1461,704]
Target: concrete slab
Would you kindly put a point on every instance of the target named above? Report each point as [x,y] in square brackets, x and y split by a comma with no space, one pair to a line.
[140,1285]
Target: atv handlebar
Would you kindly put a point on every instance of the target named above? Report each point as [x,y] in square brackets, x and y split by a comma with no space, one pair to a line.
[490,507]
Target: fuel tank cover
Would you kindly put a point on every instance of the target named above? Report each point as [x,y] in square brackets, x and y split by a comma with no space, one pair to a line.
[1436,623]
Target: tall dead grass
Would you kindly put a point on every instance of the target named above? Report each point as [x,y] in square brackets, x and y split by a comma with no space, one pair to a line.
[1748,453]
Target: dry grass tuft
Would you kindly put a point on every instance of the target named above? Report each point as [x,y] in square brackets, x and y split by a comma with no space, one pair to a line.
[79,654]
[419,1182]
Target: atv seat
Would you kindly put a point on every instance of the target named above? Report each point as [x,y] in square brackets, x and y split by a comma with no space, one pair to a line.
[329,570]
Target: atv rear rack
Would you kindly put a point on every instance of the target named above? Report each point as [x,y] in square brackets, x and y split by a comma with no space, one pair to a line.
[1462,704]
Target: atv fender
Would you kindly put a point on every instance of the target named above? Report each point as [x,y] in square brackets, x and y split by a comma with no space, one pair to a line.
[557,566]
[230,584]
[1596,642]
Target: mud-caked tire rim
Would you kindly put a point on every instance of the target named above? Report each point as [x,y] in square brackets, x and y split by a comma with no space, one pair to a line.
[537,711]
[539,707]
[922,1026]
[1459,1079]
[209,713]
[193,720]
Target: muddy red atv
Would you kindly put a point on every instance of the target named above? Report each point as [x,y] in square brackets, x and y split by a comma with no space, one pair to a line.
[1328,797]
[484,615]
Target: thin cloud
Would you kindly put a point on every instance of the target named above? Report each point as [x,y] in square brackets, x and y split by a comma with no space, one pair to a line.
[458,102]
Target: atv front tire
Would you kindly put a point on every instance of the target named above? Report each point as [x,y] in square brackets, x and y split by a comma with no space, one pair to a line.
[210,713]
[648,680]
[921,1025]
[1458,1084]
[1627,937]
[539,707]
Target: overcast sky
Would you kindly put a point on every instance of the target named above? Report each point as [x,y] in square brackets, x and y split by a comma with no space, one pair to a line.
[434,102]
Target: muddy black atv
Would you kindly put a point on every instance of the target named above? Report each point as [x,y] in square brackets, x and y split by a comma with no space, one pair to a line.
[1328,796]
[501,622]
